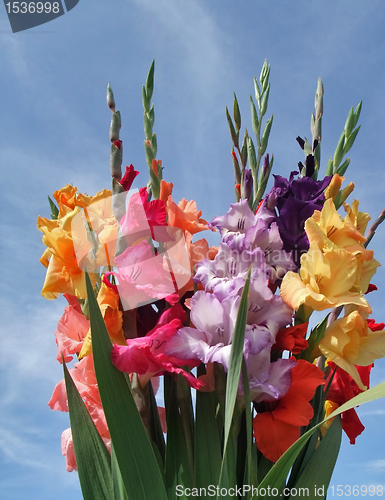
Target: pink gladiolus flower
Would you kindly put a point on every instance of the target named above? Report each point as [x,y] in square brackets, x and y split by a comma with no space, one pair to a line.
[71,331]
[142,276]
[146,355]
[67,448]
[83,375]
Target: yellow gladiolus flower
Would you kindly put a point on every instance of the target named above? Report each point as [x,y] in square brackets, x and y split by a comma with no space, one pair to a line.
[348,342]
[326,280]
[334,187]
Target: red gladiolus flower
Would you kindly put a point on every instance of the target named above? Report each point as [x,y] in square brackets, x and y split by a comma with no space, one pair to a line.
[277,429]
[375,327]
[371,288]
[342,389]
[128,178]
[291,339]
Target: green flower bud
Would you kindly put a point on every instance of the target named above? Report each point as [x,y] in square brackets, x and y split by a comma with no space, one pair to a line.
[236,114]
[110,98]
[115,126]
[265,136]
[116,156]
[350,140]
[150,81]
[149,153]
[233,133]
[252,157]
[339,152]
[257,90]
[147,126]
[254,117]
[264,101]
[349,124]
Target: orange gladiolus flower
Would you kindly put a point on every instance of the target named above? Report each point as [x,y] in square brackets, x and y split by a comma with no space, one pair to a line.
[277,429]
[165,190]
[63,272]
[185,216]
[108,301]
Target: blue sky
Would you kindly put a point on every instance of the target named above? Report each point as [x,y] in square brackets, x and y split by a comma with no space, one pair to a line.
[54,131]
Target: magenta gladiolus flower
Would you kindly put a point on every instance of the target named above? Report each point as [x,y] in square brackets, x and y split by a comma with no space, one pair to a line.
[147,356]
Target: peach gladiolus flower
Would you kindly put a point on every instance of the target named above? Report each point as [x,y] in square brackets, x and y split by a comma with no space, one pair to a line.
[348,342]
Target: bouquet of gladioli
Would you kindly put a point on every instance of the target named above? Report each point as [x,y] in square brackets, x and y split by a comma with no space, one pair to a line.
[151,310]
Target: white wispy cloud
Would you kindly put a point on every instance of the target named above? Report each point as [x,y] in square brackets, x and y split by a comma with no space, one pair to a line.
[376,465]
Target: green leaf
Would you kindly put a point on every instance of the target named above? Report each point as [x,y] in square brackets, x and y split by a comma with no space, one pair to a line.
[54,209]
[320,467]
[278,474]
[233,376]
[250,472]
[135,456]
[92,457]
[208,455]
[177,467]
[119,489]
[236,357]
[154,422]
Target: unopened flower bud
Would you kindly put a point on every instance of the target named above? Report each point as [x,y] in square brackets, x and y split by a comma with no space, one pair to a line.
[110,98]
[115,126]
[116,160]
[247,184]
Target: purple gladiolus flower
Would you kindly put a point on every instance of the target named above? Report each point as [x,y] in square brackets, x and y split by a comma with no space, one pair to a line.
[296,200]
